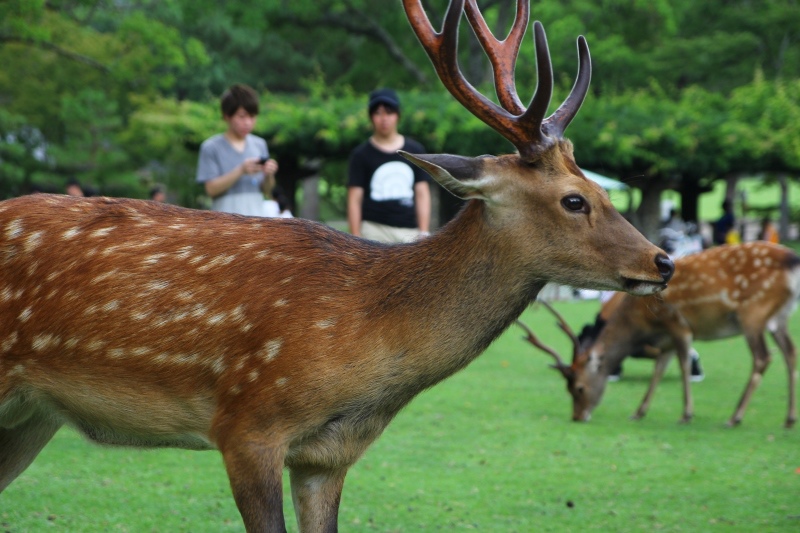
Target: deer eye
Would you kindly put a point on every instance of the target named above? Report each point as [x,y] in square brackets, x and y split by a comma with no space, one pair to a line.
[575,203]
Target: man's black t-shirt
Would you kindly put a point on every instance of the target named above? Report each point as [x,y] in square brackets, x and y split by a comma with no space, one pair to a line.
[388,181]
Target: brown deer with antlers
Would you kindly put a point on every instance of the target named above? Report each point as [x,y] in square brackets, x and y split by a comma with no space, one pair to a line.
[725,291]
[285,343]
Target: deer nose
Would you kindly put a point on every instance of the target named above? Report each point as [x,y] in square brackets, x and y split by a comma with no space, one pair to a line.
[665,267]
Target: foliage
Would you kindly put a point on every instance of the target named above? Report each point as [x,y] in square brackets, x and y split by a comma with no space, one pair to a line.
[490,449]
[682,92]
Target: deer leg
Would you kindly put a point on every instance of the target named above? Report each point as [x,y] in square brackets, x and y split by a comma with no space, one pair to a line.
[758,347]
[316,493]
[685,361]
[255,470]
[658,373]
[20,445]
[786,345]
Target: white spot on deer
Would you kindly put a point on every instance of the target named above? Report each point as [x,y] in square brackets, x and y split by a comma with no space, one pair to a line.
[215,319]
[10,341]
[743,284]
[185,359]
[280,303]
[140,315]
[239,364]
[116,353]
[186,296]
[102,232]
[246,327]
[141,351]
[44,342]
[6,294]
[262,254]
[286,280]
[271,349]
[236,389]
[152,259]
[14,228]
[237,314]
[33,241]
[756,262]
[217,365]
[104,276]
[281,382]
[177,226]
[25,314]
[735,294]
[184,253]
[220,260]
[196,259]
[70,233]
[95,345]
[247,245]
[328,323]
[199,310]
[156,285]
[767,261]
[17,370]
[111,306]
[252,375]
[70,343]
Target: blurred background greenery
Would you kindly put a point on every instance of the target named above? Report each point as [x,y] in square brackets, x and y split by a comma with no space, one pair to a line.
[686,98]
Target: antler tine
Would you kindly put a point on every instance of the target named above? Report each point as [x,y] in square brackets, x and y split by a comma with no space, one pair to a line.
[533,339]
[562,324]
[502,54]
[534,116]
[557,123]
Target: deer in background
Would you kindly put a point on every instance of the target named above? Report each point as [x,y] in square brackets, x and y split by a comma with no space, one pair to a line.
[283,343]
[722,292]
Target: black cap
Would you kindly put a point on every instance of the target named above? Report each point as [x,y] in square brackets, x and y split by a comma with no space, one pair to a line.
[386,97]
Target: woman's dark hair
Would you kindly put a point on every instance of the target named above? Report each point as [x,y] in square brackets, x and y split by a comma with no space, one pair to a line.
[239,96]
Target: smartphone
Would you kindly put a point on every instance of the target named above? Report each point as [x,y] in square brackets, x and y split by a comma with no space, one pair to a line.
[263,160]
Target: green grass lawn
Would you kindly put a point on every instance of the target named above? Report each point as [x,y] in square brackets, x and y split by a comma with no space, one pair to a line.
[490,449]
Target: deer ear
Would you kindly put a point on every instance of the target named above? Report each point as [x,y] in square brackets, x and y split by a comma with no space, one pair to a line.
[462,176]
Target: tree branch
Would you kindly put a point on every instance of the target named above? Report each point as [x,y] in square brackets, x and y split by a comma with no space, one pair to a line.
[63,52]
[368,27]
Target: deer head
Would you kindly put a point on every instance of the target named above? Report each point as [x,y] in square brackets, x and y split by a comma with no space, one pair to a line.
[571,212]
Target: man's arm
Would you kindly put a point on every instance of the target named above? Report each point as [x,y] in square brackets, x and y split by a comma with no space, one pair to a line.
[422,203]
[219,185]
[355,198]
[270,168]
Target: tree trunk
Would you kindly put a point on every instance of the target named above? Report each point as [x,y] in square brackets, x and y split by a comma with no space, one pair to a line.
[783,224]
[648,215]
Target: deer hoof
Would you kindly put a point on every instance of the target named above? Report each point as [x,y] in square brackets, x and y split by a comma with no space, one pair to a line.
[732,423]
[685,419]
[790,423]
[637,416]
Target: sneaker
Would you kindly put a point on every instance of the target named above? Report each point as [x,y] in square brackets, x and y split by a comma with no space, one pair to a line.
[696,374]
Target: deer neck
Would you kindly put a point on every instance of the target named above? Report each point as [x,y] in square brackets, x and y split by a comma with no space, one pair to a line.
[478,290]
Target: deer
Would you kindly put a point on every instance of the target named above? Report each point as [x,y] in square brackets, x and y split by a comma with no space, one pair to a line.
[746,289]
[282,343]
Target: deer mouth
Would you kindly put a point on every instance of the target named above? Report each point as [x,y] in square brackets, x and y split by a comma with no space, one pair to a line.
[641,287]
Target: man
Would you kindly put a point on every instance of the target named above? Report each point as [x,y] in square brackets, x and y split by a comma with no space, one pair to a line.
[388,197]
[234,166]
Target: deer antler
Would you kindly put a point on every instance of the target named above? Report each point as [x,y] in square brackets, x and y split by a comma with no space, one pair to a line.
[562,323]
[533,339]
[527,129]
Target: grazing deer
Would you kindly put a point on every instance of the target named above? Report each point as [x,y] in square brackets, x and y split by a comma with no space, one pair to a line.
[283,343]
[719,293]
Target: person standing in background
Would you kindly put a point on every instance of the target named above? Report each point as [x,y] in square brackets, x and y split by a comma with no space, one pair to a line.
[388,197]
[234,166]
